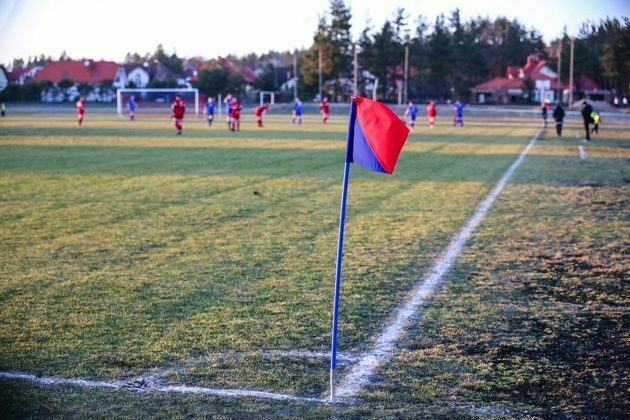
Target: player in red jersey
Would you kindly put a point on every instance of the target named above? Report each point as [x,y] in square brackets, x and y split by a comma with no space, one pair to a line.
[259,112]
[235,115]
[178,109]
[325,109]
[80,110]
[431,113]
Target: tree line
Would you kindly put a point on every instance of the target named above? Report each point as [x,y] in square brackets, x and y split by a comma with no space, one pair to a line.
[447,57]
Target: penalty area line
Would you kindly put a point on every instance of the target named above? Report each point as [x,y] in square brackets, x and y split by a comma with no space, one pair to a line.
[155,387]
[360,374]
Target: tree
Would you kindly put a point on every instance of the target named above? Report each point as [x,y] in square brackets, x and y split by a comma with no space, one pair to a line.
[212,82]
[236,84]
[84,89]
[106,87]
[615,57]
[334,40]
[64,86]
[439,57]
[172,62]
[267,80]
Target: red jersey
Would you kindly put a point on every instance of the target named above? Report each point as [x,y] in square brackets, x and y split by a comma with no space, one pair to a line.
[80,107]
[179,109]
[259,111]
[431,110]
[324,107]
[235,110]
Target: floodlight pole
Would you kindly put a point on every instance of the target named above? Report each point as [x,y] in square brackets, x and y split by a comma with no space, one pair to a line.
[355,90]
[571,74]
[559,93]
[320,73]
[406,75]
[295,76]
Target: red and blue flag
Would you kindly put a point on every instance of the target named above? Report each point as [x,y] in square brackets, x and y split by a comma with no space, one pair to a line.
[375,136]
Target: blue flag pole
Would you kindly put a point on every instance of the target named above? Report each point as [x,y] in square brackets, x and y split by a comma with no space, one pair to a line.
[342,222]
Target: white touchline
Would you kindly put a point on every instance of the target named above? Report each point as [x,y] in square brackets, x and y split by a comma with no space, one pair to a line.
[154,387]
[360,374]
[582,152]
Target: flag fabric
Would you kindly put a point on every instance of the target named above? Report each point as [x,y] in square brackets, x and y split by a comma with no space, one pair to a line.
[376,136]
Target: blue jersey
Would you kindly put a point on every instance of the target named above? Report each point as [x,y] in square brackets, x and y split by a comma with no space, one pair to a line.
[210,108]
[413,110]
[459,109]
[297,107]
[131,105]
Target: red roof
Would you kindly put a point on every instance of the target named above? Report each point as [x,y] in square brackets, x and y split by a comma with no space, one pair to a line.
[87,71]
[501,83]
[587,84]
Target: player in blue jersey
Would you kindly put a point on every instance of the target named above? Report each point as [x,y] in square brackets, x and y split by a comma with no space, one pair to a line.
[297,112]
[210,110]
[458,114]
[412,113]
[131,107]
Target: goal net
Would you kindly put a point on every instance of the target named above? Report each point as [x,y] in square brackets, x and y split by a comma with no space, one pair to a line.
[155,101]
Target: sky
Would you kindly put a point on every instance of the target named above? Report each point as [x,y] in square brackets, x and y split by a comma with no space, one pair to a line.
[109,29]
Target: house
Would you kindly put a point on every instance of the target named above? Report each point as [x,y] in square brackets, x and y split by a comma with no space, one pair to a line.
[24,74]
[138,75]
[513,88]
[89,72]
[588,89]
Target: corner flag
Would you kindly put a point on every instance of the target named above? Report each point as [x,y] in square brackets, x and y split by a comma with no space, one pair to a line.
[375,138]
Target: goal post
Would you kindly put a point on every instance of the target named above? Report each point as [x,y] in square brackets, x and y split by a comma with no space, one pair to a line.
[120,107]
[271,95]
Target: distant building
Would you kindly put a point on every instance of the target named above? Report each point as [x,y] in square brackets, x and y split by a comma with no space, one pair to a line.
[89,72]
[513,89]
[138,75]
[24,74]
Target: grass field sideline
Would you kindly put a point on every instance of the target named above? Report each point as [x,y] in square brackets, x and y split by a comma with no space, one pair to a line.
[127,250]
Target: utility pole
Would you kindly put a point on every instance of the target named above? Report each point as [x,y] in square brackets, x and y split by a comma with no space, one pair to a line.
[406,75]
[559,97]
[320,73]
[355,90]
[295,76]
[571,74]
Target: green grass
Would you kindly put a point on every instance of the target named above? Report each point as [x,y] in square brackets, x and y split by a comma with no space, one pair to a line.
[125,249]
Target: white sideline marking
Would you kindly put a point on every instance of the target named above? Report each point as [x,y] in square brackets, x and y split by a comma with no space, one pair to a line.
[582,152]
[360,374]
[154,387]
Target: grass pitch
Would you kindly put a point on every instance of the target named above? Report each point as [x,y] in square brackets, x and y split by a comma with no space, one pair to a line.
[127,250]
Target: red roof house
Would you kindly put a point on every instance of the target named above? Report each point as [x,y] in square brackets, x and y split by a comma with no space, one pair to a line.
[511,88]
[87,71]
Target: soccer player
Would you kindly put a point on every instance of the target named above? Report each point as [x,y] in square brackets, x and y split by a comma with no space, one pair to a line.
[431,113]
[596,119]
[131,107]
[178,109]
[260,111]
[558,115]
[3,109]
[587,110]
[227,102]
[412,113]
[235,115]
[325,109]
[80,110]
[210,110]
[297,112]
[545,110]
[458,114]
